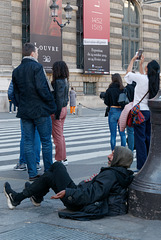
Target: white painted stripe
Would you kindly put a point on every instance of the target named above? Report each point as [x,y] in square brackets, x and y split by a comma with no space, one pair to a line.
[17,143]
[10,137]
[9,140]
[86,156]
[70,149]
[85,136]
[9,157]
[9,120]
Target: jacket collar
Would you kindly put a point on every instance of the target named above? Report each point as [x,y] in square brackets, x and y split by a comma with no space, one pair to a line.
[31,58]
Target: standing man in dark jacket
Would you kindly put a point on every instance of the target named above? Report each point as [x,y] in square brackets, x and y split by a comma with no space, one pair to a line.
[35,105]
[105,194]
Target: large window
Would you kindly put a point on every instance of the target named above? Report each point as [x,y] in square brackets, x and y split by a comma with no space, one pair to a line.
[89,88]
[130,32]
[80,49]
[25,21]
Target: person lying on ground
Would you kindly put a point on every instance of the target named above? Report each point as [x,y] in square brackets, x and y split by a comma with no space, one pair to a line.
[103,195]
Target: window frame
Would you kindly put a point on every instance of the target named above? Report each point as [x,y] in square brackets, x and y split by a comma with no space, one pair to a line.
[87,87]
[25,21]
[127,41]
[79,32]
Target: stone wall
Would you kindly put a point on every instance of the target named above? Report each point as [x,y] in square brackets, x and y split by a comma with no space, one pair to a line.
[5,50]
[11,46]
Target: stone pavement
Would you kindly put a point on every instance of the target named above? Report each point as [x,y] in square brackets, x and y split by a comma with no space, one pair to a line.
[28,222]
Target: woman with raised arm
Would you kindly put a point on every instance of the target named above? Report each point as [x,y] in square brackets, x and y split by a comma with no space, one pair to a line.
[146,83]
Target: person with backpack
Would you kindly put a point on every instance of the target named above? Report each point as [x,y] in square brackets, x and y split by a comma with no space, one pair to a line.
[111,100]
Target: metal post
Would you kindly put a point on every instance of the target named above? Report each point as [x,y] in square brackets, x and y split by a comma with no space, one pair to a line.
[145,190]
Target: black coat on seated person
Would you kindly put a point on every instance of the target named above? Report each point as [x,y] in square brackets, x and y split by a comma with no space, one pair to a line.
[104,195]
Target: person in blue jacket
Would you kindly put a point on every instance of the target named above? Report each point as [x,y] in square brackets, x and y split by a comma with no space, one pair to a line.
[35,101]
[105,194]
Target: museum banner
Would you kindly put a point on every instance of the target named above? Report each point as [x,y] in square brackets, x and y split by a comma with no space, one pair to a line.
[45,33]
[96,39]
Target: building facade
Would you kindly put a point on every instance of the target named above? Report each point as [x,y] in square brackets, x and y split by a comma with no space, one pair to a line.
[133,25]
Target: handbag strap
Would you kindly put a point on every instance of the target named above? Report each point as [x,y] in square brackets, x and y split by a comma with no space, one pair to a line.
[143,97]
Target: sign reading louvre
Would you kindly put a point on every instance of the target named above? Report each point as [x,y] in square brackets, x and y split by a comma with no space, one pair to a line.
[96,28]
[44,33]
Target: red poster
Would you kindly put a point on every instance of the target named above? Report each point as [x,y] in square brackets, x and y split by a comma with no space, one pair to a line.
[45,33]
[96,15]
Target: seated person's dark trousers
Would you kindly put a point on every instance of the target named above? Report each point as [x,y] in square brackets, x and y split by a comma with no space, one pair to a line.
[56,178]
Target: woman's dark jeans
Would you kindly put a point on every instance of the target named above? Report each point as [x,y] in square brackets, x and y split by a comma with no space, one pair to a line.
[142,135]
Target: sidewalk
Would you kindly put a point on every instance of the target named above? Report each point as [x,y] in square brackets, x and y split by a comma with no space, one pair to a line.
[27,222]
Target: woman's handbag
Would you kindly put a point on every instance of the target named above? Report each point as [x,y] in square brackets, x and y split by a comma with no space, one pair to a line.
[135,116]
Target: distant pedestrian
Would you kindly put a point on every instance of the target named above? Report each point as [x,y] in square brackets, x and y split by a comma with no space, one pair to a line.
[72,100]
[10,107]
[61,87]
[21,165]
[35,105]
[11,98]
[111,100]
[146,85]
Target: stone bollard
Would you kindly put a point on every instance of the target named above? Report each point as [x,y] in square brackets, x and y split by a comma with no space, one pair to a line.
[79,110]
[145,190]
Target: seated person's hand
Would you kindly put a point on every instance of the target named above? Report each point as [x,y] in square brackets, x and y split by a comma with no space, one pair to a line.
[59,195]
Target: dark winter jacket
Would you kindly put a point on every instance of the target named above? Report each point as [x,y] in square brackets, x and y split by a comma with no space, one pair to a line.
[105,195]
[31,90]
[61,89]
[112,95]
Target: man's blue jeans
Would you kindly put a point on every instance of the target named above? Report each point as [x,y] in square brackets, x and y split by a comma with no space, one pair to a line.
[44,128]
[37,146]
[113,118]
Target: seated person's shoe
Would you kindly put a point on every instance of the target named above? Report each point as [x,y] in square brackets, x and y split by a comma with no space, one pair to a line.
[10,194]
[35,200]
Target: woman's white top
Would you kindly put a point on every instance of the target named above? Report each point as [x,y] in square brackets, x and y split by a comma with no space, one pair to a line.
[141,88]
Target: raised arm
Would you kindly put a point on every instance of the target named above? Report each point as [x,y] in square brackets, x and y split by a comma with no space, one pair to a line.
[129,69]
[141,65]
